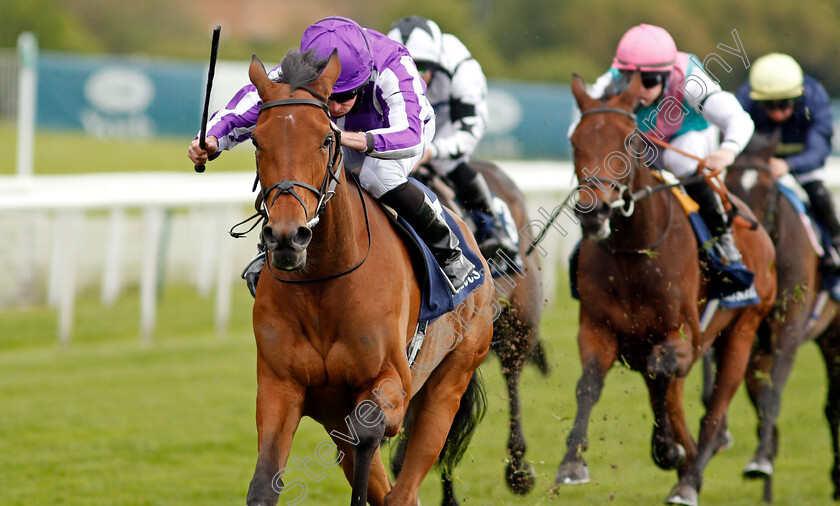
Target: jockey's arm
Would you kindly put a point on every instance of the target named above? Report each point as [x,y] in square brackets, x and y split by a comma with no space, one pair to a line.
[723,110]
[231,125]
[468,113]
[818,138]
[406,110]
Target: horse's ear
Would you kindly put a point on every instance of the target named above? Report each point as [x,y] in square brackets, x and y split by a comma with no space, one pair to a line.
[630,97]
[584,101]
[771,141]
[330,73]
[258,75]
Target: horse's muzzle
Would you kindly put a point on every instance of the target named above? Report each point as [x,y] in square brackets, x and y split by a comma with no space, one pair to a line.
[287,247]
[595,223]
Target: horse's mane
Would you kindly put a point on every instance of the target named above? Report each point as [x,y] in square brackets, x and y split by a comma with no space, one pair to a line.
[300,69]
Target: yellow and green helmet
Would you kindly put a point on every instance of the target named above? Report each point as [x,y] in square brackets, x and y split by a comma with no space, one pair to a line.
[775,76]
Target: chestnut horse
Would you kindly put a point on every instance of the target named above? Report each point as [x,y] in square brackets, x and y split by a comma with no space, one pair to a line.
[516,330]
[785,328]
[641,293]
[338,305]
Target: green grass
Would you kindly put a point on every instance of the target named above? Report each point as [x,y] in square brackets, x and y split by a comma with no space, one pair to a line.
[74,152]
[110,421]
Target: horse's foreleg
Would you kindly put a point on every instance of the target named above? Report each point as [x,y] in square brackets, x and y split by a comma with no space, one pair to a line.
[769,405]
[734,355]
[512,353]
[378,412]
[598,351]
[708,376]
[433,411]
[279,409]
[664,450]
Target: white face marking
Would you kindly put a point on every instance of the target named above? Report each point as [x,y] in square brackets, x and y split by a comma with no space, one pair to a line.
[602,232]
[749,178]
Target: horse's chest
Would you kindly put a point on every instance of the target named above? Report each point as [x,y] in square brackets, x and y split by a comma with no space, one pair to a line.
[639,302]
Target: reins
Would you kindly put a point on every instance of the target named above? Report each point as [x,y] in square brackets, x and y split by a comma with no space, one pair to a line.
[323,194]
[628,206]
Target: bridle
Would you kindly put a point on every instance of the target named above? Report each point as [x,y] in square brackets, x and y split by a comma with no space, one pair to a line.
[323,194]
[328,184]
[627,198]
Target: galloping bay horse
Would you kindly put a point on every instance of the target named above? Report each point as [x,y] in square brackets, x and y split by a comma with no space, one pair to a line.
[642,291]
[337,306]
[787,325]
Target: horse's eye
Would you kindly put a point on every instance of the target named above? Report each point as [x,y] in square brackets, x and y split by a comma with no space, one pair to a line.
[327,142]
[254,142]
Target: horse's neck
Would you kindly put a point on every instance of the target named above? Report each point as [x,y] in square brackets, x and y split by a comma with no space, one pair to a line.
[755,188]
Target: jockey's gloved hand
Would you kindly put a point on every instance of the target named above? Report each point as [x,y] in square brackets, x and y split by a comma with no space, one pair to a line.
[720,159]
[200,156]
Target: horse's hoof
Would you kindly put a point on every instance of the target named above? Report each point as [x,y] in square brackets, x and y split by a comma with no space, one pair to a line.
[673,461]
[758,469]
[572,473]
[684,495]
[520,480]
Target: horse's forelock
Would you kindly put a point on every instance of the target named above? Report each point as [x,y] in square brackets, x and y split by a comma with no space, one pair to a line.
[301,68]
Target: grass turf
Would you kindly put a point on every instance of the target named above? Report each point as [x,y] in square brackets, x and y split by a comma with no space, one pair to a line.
[59,152]
[109,421]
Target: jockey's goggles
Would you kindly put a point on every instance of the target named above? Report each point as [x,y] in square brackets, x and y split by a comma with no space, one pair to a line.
[346,96]
[652,79]
[649,79]
[424,66]
[778,105]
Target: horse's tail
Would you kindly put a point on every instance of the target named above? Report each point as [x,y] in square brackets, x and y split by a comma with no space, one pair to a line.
[470,412]
[537,356]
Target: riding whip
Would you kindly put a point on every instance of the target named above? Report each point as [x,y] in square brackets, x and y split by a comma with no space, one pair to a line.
[214,50]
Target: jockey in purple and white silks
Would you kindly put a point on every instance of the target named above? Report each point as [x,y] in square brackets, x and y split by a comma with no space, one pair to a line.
[379,104]
[457,89]
[681,104]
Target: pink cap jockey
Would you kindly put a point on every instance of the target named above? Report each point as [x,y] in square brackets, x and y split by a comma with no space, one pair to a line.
[646,48]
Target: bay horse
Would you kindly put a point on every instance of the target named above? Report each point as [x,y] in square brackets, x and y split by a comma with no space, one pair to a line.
[641,293]
[338,305]
[516,338]
[786,327]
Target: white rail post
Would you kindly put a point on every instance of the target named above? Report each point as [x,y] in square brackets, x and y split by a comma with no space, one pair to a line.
[111,271]
[153,223]
[69,227]
[224,282]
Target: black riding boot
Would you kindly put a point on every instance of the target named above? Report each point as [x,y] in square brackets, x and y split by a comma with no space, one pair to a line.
[823,208]
[427,219]
[251,273]
[474,194]
[713,213]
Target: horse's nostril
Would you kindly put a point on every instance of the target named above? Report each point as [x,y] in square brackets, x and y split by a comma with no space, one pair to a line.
[268,236]
[302,237]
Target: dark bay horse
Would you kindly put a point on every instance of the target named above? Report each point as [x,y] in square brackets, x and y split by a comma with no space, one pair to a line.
[337,307]
[641,293]
[516,330]
[786,326]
